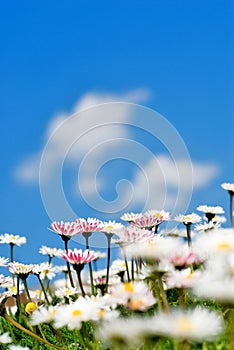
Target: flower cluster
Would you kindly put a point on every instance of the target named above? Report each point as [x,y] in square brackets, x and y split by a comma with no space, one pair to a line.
[153,296]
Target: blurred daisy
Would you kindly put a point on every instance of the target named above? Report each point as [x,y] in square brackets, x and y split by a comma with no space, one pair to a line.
[134,295]
[65,292]
[5,281]
[130,217]
[44,270]
[210,211]
[51,252]
[20,269]
[74,314]
[191,325]
[182,279]
[5,338]
[228,187]
[131,234]
[188,219]
[149,220]
[3,261]
[18,347]
[206,226]
[12,239]
[43,315]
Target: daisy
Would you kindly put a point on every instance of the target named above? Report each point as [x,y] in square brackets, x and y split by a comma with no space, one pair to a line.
[20,269]
[164,215]
[130,217]
[123,333]
[78,258]
[230,188]
[43,315]
[188,220]
[5,338]
[148,221]
[44,270]
[4,261]
[132,234]
[18,347]
[51,252]
[65,229]
[74,314]
[206,226]
[12,239]
[210,211]
[190,325]
[134,295]
[5,281]
[87,227]
[109,228]
[182,279]
[65,292]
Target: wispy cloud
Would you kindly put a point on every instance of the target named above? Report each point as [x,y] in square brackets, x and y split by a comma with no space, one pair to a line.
[65,137]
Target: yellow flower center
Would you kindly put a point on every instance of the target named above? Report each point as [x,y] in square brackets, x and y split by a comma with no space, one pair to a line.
[109,227]
[30,307]
[67,292]
[189,276]
[224,246]
[136,304]
[101,313]
[14,289]
[128,287]
[46,271]
[184,324]
[158,215]
[76,313]
[12,237]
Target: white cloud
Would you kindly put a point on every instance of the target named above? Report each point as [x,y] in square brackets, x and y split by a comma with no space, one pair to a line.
[168,182]
[65,130]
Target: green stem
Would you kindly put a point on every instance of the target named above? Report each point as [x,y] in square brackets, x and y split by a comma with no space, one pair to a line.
[27,331]
[86,236]
[108,260]
[26,289]
[188,229]
[230,208]
[18,295]
[65,239]
[132,268]
[181,297]
[78,272]
[126,264]
[162,293]
[43,289]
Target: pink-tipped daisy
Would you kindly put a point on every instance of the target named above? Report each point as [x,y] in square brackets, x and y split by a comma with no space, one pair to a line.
[77,256]
[89,225]
[65,229]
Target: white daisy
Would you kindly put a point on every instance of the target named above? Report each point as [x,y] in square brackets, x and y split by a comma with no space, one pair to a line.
[190,325]
[3,261]
[65,292]
[12,239]
[228,187]
[5,338]
[110,227]
[210,210]
[188,219]
[74,314]
[51,252]
[43,315]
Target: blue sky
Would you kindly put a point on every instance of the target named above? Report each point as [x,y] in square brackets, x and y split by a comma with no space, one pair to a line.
[172,56]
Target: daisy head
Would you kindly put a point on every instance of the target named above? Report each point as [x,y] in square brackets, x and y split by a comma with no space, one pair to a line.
[65,229]
[12,239]
[79,257]
[228,187]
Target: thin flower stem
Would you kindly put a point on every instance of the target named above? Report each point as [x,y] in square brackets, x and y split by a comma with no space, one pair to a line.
[43,289]
[162,293]
[126,264]
[86,236]
[12,260]
[108,261]
[230,208]
[68,265]
[132,268]
[26,289]
[78,272]
[18,295]
[188,229]
[181,297]
[27,331]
